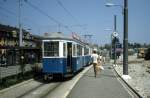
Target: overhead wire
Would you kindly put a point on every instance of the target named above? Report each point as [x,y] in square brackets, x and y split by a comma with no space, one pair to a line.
[7,14]
[47,15]
[60,3]
[15,15]
[69,13]
[8,11]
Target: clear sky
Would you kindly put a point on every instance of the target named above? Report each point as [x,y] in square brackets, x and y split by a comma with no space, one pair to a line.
[80,16]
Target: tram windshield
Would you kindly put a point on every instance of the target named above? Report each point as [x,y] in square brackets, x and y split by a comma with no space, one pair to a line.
[51,48]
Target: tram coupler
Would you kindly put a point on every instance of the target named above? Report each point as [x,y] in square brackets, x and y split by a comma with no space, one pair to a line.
[48,77]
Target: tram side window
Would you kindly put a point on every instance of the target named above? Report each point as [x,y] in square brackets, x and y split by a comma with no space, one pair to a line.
[74,50]
[86,51]
[64,49]
[51,48]
[79,50]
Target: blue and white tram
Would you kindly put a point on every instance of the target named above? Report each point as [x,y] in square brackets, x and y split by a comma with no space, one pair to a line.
[62,56]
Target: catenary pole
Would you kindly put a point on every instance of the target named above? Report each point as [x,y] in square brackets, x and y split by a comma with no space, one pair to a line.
[20,26]
[125,40]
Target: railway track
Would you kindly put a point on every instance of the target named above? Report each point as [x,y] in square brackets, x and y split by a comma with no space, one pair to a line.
[37,88]
[31,89]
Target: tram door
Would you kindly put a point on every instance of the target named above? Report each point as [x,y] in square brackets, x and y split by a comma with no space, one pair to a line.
[69,57]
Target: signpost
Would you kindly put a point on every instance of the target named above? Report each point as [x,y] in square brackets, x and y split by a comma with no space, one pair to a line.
[114,35]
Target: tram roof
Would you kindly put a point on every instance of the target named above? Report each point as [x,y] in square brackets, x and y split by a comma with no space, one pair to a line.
[56,35]
[61,36]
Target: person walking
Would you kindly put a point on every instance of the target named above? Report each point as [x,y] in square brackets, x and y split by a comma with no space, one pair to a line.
[95,61]
[100,62]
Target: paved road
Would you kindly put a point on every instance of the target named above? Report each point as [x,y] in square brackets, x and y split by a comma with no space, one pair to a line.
[105,85]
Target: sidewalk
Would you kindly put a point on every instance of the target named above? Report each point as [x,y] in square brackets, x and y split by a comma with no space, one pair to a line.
[105,85]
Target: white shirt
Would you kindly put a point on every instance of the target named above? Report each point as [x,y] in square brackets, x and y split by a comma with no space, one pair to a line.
[94,57]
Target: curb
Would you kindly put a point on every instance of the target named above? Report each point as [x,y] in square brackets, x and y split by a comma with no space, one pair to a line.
[128,84]
[14,86]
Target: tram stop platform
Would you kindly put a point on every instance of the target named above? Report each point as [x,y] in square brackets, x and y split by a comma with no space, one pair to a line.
[107,84]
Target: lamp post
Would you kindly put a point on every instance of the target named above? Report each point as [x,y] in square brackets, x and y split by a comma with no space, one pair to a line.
[125,38]
[111,4]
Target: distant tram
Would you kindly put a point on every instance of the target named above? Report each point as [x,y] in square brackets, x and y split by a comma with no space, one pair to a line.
[63,56]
